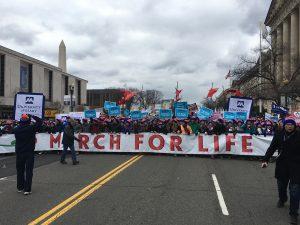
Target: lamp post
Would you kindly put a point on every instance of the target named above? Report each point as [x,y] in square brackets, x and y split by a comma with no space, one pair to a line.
[71,88]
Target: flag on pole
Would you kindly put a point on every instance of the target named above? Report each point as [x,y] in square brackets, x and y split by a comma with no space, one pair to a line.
[211,92]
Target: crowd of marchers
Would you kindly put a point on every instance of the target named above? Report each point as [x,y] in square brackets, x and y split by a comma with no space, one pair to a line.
[190,126]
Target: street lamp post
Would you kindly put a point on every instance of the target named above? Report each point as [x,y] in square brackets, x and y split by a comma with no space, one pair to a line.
[71,87]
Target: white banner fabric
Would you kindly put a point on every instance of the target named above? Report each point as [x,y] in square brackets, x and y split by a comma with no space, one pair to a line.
[241,144]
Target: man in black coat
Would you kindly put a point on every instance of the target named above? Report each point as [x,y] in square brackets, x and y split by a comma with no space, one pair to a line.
[25,145]
[68,142]
[287,170]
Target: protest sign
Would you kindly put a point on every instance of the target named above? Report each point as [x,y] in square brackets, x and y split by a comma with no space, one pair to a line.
[90,113]
[229,115]
[165,114]
[181,113]
[241,116]
[114,111]
[180,105]
[205,113]
[239,104]
[29,103]
[108,104]
[136,115]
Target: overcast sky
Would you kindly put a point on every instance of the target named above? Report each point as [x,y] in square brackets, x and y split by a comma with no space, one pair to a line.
[154,43]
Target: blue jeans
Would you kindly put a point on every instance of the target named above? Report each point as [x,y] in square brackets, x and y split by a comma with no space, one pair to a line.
[294,194]
[65,151]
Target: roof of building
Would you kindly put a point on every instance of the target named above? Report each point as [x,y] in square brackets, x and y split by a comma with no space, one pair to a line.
[31,59]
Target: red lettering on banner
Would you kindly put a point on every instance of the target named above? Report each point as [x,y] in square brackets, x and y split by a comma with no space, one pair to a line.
[216,143]
[115,140]
[200,144]
[161,142]
[84,139]
[246,144]
[96,144]
[175,143]
[229,142]
[138,141]
[55,140]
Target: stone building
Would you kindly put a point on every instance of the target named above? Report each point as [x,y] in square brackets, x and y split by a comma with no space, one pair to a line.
[19,72]
[284,20]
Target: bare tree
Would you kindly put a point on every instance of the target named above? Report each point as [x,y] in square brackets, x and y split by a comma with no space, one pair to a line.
[267,83]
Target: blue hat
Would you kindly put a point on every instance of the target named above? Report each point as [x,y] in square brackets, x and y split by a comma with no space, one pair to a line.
[290,121]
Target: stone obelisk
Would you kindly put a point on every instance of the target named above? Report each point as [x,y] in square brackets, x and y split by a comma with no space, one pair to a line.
[62,57]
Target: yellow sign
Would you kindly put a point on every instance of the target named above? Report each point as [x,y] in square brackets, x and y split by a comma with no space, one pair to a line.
[50,113]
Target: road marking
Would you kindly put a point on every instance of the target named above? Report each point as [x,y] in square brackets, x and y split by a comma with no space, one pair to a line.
[83,193]
[3,178]
[220,196]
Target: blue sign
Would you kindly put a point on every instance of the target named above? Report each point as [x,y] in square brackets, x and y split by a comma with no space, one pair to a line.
[165,114]
[90,113]
[241,116]
[108,104]
[126,113]
[229,115]
[144,114]
[279,109]
[181,105]
[181,113]
[205,113]
[136,115]
[114,111]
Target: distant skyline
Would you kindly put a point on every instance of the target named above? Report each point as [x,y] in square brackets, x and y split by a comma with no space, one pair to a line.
[148,43]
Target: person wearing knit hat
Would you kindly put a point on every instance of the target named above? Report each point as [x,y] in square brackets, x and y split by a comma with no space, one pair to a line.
[287,171]
[25,145]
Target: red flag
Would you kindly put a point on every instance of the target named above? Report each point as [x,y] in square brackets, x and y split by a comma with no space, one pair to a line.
[127,95]
[234,92]
[228,75]
[177,97]
[211,92]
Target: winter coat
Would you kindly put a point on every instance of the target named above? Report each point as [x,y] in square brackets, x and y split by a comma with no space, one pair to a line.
[25,136]
[288,162]
[68,137]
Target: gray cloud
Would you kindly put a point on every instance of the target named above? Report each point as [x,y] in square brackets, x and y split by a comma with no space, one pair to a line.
[153,43]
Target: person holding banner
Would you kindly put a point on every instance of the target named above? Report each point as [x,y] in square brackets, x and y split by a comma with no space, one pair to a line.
[287,170]
[25,145]
[68,142]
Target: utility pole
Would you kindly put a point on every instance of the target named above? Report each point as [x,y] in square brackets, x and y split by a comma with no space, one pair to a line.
[260,67]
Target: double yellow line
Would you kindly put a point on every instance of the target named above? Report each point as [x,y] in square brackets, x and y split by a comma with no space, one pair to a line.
[69,203]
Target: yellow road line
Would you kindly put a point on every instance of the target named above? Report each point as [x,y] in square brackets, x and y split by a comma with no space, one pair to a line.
[84,190]
[82,197]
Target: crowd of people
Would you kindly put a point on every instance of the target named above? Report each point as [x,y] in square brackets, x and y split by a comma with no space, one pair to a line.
[190,126]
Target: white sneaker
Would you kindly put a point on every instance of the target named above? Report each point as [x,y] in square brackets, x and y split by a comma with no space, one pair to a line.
[27,192]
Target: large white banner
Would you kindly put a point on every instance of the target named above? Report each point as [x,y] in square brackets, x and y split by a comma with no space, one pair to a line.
[29,103]
[238,104]
[240,144]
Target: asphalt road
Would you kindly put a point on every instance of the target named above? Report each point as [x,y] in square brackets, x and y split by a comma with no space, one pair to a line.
[152,189]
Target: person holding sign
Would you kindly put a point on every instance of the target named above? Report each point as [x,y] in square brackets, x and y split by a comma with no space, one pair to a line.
[25,145]
[287,171]
[68,142]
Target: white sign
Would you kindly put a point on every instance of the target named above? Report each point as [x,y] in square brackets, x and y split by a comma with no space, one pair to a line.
[29,103]
[240,105]
[240,144]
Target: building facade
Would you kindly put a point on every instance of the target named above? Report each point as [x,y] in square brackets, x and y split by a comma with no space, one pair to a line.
[97,97]
[284,20]
[22,73]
